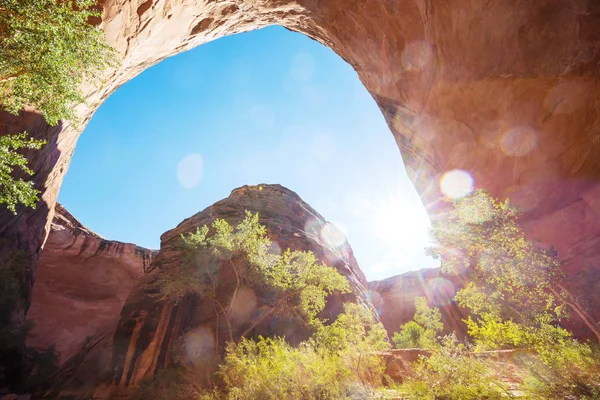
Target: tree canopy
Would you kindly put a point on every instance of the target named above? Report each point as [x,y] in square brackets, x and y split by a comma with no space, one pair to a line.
[510,277]
[299,284]
[47,47]
[14,191]
[422,330]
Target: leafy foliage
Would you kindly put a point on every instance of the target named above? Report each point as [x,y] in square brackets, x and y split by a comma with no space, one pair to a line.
[452,372]
[510,277]
[422,331]
[412,336]
[337,362]
[46,48]
[517,294]
[13,191]
[323,367]
[298,284]
[562,370]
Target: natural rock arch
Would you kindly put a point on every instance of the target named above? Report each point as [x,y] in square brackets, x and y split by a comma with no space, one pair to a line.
[506,90]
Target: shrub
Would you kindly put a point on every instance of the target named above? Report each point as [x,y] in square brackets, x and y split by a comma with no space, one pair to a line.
[16,191]
[422,331]
[562,370]
[411,336]
[337,362]
[452,372]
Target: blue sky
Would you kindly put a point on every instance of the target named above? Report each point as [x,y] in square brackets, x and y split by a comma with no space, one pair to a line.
[269,106]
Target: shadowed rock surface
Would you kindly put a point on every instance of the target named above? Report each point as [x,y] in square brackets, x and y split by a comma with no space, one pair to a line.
[82,283]
[150,332]
[394,298]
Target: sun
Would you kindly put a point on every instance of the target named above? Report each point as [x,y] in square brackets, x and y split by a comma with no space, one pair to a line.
[400,228]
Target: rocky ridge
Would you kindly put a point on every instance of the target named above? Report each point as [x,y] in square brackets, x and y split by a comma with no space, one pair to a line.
[150,331]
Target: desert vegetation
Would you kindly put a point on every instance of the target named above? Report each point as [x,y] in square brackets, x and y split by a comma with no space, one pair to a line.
[338,358]
[47,49]
[516,296]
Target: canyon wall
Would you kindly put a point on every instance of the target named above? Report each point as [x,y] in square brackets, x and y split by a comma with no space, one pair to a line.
[82,282]
[152,332]
[507,91]
[394,299]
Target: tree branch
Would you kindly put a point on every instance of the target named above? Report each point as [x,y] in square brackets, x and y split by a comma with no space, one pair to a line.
[587,320]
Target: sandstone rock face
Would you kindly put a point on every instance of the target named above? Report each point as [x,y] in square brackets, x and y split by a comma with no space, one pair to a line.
[150,331]
[394,298]
[508,91]
[82,282]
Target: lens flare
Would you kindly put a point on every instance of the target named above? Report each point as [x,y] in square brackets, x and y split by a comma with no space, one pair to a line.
[417,56]
[442,291]
[198,344]
[243,306]
[456,183]
[189,170]
[375,298]
[332,235]
[519,141]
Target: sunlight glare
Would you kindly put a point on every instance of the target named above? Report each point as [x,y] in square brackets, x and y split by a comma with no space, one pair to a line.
[199,343]
[333,235]
[442,290]
[456,183]
[519,141]
[400,227]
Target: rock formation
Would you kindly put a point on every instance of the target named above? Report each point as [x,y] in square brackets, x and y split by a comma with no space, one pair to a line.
[506,91]
[82,282]
[151,331]
[394,298]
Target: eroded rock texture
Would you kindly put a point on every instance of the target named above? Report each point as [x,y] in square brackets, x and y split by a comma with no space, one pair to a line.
[508,91]
[394,298]
[151,332]
[82,282]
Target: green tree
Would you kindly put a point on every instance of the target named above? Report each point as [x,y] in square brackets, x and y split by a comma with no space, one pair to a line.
[47,48]
[14,191]
[510,277]
[299,284]
[453,372]
[422,331]
[337,362]
[517,294]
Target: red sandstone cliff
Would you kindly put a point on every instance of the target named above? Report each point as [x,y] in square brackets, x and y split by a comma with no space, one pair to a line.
[508,91]
[149,330]
[82,282]
[394,298]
